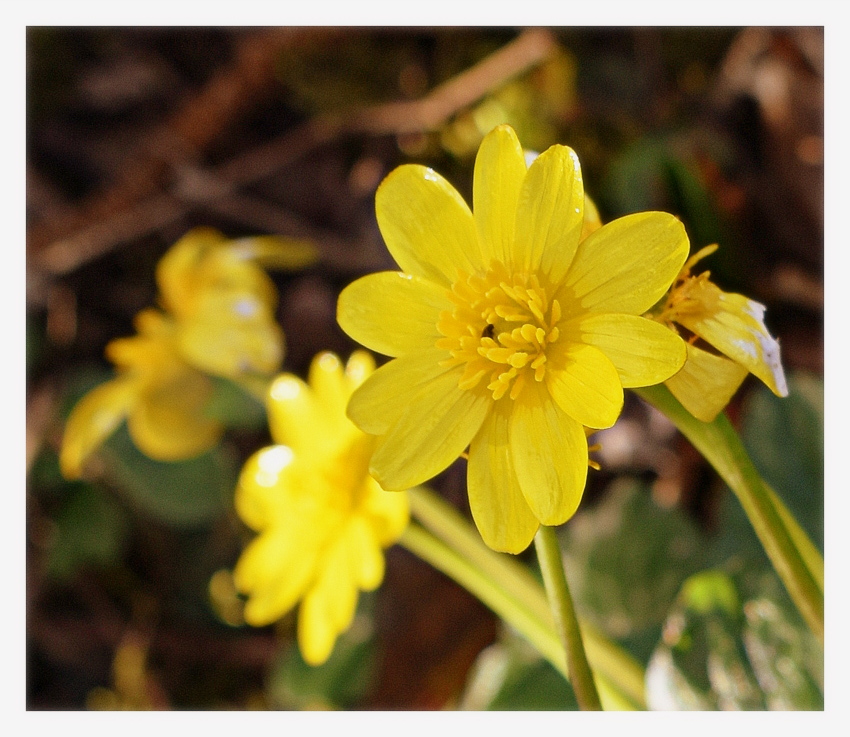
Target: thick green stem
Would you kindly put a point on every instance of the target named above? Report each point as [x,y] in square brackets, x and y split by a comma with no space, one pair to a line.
[795,559]
[555,580]
[620,678]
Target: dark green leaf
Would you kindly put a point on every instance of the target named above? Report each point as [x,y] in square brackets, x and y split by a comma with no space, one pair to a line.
[510,676]
[627,558]
[184,493]
[91,529]
[336,684]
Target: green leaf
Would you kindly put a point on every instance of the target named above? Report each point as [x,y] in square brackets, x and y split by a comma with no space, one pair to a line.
[627,558]
[510,676]
[716,653]
[183,494]
[784,437]
[91,529]
[234,407]
[336,684]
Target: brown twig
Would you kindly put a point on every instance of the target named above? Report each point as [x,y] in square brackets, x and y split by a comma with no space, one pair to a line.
[128,211]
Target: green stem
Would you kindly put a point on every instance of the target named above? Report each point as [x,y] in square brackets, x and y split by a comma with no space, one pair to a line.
[795,559]
[555,580]
[620,678]
[539,633]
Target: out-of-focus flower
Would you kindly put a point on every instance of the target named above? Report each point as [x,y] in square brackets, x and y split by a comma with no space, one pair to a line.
[217,318]
[323,520]
[509,335]
[734,326]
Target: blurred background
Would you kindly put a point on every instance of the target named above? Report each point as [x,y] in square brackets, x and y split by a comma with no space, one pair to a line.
[136,135]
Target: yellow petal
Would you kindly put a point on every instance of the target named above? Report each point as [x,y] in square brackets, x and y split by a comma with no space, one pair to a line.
[330,389]
[275,251]
[550,213]
[430,434]
[231,334]
[174,270]
[295,418]
[328,607]
[706,383]
[549,451]
[499,172]
[592,221]
[584,383]
[391,312]
[365,553]
[734,325]
[643,351]
[274,570]
[264,492]
[360,366]
[168,423]
[427,226]
[627,265]
[384,396]
[498,507]
[388,512]
[94,418]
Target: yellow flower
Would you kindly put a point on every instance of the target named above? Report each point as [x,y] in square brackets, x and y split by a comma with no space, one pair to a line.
[734,326]
[323,520]
[218,319]
[508,335]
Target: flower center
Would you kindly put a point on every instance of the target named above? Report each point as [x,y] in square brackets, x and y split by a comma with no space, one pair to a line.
[500,328]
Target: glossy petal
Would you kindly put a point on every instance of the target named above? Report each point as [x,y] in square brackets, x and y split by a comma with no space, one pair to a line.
[264,492]
[391,312]
[94,418]
[550,213]
[499,171]
[626,266]
[549,451]
[427,226]
[384,396]
[644,352]
[168,424]
[498,506]
[706,383]
[430,434]
[734,325]
[585,384]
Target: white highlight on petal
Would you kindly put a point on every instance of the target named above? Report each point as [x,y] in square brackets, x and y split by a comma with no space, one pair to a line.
[748,347]
[285,387]
[271,461]
[246,307]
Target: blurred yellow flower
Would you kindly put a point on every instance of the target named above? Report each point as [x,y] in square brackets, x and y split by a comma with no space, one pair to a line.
[733,325]
[323,520]
[217,318]
[508,334]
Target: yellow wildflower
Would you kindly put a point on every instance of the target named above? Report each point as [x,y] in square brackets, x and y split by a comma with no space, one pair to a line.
[323,520]
[508,335]
[730,323]
[217,318]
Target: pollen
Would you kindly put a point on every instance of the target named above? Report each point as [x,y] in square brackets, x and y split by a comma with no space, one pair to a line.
[500,329]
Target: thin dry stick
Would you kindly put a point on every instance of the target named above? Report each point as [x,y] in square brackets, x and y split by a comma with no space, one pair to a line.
[528,50]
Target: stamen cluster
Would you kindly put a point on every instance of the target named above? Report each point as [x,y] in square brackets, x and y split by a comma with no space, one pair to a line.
[500,328]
